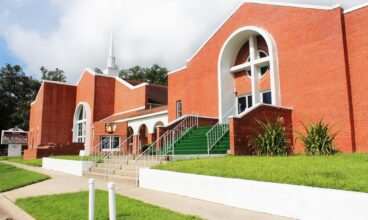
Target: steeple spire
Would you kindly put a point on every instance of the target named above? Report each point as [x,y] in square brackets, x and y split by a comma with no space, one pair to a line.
[111,51]
[111,68]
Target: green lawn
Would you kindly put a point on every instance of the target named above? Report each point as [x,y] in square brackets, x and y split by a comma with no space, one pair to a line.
[342,171]
[75,206]
[12,177]
[34,162]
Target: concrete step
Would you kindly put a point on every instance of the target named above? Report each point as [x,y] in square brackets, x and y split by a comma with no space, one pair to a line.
[108,165]
[114,178]
[130,173]
[100,170]
[115,161]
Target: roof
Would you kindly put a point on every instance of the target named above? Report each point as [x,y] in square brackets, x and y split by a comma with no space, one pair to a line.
[126,115]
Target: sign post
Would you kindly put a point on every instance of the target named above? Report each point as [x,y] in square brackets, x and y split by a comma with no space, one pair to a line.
[14,138]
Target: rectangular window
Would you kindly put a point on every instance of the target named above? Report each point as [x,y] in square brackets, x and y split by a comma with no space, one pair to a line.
[179,111]
[244,102]
[109,143]
[266,97]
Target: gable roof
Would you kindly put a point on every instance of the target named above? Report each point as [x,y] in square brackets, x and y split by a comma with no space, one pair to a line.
[283,4]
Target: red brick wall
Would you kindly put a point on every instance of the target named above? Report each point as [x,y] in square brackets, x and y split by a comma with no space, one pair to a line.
[53,115]
[99,130]
[35,120]
[127,99]
[312,67]
[243,129]
[356,23]
[104,97]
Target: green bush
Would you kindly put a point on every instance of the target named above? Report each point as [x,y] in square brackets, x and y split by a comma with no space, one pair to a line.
[319,139]
[272,139]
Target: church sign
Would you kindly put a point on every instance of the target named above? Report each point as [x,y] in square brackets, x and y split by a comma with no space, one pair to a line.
[14,136]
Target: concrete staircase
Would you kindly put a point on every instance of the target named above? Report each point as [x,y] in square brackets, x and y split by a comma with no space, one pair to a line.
[120,169]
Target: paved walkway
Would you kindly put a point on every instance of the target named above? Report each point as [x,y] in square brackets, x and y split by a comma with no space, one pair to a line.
[63,183]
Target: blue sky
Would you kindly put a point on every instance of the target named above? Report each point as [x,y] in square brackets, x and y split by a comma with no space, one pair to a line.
[74,34]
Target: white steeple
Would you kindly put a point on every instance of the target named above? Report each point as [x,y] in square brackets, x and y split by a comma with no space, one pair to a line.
[111,68]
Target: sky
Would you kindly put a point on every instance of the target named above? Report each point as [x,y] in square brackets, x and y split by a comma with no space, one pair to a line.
[75,34]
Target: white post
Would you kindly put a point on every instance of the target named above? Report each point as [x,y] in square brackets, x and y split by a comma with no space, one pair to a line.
[112,206]
[91,202]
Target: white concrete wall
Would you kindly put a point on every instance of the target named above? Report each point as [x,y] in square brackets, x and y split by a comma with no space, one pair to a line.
[74,167]
[294,201]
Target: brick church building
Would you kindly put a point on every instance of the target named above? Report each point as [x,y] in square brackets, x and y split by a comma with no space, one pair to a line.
[300,62]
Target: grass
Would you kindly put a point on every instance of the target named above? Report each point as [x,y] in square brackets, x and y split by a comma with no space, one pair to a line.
[34,162]
[12,177]
[75,206]
[72,157]
[341,171]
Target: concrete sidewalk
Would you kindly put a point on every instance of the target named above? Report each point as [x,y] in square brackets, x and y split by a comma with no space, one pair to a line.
[63,183]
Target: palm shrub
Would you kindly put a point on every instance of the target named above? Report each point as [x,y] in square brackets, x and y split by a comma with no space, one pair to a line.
[272,139]
[319,139]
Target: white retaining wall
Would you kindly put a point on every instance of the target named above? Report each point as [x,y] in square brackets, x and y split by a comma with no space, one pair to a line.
[294,201]
[74,167]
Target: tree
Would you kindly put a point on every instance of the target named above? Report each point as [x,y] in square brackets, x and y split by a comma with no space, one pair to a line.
[53,75]
[155,74]
[98,70]
[16,93]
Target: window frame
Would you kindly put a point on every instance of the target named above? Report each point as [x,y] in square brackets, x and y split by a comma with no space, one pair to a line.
[111,140]
[179,108]
[246,99]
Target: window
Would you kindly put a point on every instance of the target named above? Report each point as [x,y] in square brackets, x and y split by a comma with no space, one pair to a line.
[244,102]
[179,112]
[109,143]
[264,68]
[81,125]
[266,97]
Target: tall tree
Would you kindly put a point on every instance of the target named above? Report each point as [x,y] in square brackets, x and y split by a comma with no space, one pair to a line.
[53,75]
[16,93]
[154,74]
[98,70]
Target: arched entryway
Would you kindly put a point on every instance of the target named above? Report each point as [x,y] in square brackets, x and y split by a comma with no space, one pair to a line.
[252,52]
[82,125]
[154,132]
[143,135]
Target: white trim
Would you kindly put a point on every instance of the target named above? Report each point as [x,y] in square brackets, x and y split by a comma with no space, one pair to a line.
[294,5]
[119,113]
[184,116]
[38,93]
[227,55]
[57,82]
[142,116]
[256,106]
[177,70]
[87,143]
[262,2]
[125,83]
[216,30]
[355,8]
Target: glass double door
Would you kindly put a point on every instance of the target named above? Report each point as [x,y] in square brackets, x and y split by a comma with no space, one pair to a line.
[244,102]
[110,143]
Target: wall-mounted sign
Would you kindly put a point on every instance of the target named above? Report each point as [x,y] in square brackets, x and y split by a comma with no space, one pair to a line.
[110,128]
[14,136]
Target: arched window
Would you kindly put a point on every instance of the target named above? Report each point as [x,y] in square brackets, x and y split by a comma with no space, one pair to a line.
[252,51]
[81,124]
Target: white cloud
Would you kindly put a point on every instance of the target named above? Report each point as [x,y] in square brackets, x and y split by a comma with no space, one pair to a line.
[166,32]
